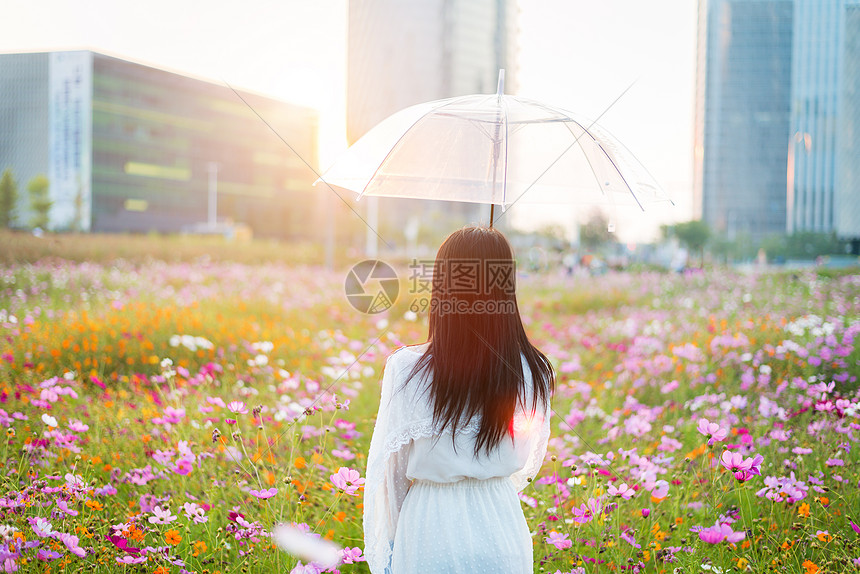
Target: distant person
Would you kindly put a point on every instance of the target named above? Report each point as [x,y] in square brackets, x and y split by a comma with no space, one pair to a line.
[569,263]
[463,425]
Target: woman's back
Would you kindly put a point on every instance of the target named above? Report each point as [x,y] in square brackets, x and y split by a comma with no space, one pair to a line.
[463,425]
[462,513]
[437,457]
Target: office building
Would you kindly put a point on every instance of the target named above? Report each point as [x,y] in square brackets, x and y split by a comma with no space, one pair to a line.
[815,76]
[131,148]
[405,52]
[743,107]
[847,196]
[776,112]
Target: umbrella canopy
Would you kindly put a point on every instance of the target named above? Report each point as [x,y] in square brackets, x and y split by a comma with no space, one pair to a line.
[497,149]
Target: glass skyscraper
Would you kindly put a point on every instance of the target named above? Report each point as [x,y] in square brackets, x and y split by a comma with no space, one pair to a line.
[847,197]
[777,116]
[815,76]
[127,147]
[405,52]
[742,115]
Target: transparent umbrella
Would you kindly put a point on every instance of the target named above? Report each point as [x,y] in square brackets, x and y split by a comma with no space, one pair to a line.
[496,149]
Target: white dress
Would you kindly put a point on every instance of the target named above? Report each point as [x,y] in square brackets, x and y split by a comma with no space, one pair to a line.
[432,509]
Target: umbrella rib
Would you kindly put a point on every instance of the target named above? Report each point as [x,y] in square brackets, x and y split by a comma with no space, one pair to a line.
[641,165]
[590,165]
[397,143]
[570,146]
[505,175]
[612,161]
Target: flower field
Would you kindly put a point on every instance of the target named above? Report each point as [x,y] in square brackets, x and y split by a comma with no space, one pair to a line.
[167,417]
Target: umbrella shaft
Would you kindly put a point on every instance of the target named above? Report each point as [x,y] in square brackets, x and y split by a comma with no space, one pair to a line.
[492,209]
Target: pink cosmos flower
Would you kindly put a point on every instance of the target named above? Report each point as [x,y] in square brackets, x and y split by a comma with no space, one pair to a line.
[755,464]
[183,466]
[719,532]
[172,415]
[347,480]
[64,507]
[623,491]
[660,489]
[265,493]
[47,555]
[128,559]
[195,512]
[217,401]
[734,461]
[71,543]
[237,407]
[628,538]
[351,555]
[586,511]
[162,516]
[78,426]
[713,431]
[560,541]
[343,453]
[42,527]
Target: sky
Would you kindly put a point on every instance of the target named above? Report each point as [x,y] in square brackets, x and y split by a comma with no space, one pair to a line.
[579,55]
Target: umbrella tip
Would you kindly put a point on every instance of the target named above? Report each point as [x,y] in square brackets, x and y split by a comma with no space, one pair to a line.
[500,90]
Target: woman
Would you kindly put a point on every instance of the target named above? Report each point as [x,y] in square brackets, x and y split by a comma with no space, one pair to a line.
[462,427]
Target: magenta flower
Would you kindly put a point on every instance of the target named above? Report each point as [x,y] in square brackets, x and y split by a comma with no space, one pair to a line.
[560,541]
[743,475]
[347,480]
[122,544]
[351,555]
[645,512]
[713,431]
[266,493]
[854,527]
[719,532]
[237,407]
[128,560]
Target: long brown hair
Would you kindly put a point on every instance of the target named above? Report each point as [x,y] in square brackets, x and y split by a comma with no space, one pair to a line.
[477,340]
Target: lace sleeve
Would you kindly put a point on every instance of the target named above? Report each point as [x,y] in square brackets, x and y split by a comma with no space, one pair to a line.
[535,430]
[386,483]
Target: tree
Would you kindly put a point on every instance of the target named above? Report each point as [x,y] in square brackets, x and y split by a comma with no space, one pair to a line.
[8,198]
[40,202]
[694,235]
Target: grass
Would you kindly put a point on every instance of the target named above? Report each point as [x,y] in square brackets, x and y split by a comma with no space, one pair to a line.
[640,359]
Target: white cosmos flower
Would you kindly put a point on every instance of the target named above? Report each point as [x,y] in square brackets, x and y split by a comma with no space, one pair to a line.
[49,420]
